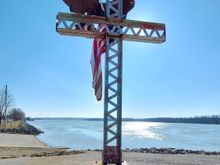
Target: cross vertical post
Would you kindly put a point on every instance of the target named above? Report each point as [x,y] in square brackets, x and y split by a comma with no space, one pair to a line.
[113,90]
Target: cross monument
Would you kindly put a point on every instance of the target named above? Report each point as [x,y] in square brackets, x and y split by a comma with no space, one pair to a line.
[117,29]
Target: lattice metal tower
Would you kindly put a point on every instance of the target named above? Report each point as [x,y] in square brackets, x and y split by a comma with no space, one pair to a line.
[117,29]
[113,90]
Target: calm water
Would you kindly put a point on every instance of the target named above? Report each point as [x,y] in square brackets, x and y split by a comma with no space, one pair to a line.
[79,134]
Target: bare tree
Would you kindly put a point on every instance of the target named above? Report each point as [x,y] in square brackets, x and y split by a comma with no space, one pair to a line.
[1,104]
[16,114]
[5,103]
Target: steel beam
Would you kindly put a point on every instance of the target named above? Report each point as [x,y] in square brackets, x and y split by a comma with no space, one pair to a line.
[113,84]
[129,30]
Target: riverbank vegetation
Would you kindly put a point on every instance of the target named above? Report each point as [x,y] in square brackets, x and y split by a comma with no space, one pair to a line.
[19,127]
[215,119]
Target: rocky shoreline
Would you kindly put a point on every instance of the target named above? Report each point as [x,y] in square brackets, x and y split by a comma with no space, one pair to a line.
[56,153]
[154,150]
[23,128]
[171,151]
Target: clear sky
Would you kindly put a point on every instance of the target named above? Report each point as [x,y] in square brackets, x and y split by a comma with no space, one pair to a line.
[50,75]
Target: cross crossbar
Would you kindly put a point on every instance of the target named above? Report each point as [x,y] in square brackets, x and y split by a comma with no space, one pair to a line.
[129,30]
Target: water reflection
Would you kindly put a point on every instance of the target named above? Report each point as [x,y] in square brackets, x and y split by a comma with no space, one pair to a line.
[146,130]
[81,134]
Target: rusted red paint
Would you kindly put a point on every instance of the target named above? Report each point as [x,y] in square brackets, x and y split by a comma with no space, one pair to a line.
[93,7]
[112,154]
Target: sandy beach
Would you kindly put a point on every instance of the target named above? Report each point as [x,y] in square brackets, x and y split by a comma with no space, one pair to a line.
[16,140]
[28,150]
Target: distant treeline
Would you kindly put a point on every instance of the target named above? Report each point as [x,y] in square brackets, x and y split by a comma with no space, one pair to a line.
[215,119]
[194,120]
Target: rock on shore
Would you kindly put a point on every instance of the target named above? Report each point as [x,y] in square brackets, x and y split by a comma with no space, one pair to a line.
[19,127]
[154,150]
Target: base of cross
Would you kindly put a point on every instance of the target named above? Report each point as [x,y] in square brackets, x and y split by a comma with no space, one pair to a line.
[101,163]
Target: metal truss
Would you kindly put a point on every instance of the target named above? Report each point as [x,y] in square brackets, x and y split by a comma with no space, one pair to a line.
[129,30]
[113,89]
[113,102]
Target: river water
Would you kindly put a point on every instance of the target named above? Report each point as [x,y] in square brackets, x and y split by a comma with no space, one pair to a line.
[82,134]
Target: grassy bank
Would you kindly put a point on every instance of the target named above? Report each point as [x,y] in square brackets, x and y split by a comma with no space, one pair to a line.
[12,125]
[19,127]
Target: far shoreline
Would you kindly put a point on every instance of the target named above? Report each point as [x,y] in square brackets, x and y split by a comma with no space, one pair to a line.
[211,120]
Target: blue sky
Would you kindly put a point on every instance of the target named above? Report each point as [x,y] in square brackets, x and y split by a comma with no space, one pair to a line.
[50,75]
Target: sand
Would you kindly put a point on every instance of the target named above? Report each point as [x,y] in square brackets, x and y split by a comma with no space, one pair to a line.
[15,146]
[89,158]
[19,150]
[19,140]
